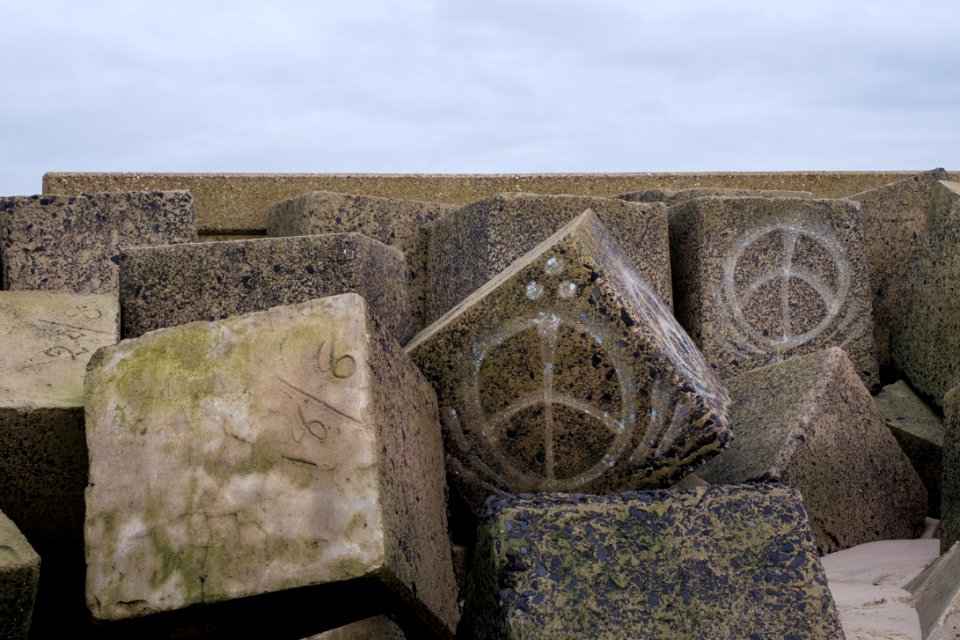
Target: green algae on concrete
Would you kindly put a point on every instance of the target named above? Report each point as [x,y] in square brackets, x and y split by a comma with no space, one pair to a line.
[473,244]
[811,423]
[919,431]
[758,280]
[238,202]
[171,285]
[19,575]
[566,372]
[403,224]
[714,562]
[262,453]
[379,628]
[72,243]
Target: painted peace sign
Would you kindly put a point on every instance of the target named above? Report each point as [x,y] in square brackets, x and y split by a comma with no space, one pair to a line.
[778,279]
[482,439]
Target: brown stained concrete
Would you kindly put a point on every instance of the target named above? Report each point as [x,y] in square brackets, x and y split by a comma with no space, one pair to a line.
[238,202]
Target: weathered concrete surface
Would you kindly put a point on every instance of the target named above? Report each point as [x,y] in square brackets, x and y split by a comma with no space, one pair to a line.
[172,285]
[403,224]
[936,596]
[71,243]
[811,423]
[238,202]
[567,373]
[950,489]
[869,585]
[758,280]
[470,246]
[919,431]
[894,218]
[926,331]
[46,340]
[19,575]
[379,628]
[674,196]
[716,562]
[279,449]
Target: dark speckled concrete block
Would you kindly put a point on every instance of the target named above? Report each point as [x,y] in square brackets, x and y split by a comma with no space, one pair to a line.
[950,500]
[894,217]
[19,574]
[473,244]
[700,564]
[403,224]
[567,373]
[675,196]
[71,243]
[811,423]
[926,331]
[758,280]
[168,286]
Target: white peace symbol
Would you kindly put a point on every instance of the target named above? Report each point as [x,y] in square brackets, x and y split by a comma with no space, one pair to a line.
[547,325]
[833,296]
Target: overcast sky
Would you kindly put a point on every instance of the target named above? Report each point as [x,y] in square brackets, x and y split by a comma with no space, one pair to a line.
[458,86]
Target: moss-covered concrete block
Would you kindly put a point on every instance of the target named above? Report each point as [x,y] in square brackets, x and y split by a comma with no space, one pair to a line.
[758,280]
[287,448]
[811,423]
[671,197]
[919,431]
[716,562]
[566,372]
[173,285]
[894,218]
[379,628]
[404,224]
[926,328]
[71,244]
[19,575]
[470,246]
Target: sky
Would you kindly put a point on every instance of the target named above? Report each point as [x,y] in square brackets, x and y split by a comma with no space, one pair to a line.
[423,86]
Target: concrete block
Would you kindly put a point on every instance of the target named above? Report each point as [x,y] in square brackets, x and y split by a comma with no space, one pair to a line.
[566,372]
[470,246]
[811,423]
[758,280]
[168,286]
[288,448]
[919,431]
[379,628]
[403,224]
[19,575]
[716,562]
[671,197]
[71,244]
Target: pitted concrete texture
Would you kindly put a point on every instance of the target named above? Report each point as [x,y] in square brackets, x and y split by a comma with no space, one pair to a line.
[403,224]
[379,628]
[470,246]
[168,286]
[238,202]
[758,280]
[894,218]
[19,575]
[809,422]
[567,373]
[950,496]
[71,244]
[919,431]
[926,332]
[699,564]
[286,448]
[671,196]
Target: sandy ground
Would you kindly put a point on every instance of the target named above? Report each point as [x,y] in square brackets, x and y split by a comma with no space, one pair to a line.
[866,583]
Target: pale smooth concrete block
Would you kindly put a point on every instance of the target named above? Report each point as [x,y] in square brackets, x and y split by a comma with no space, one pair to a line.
[293,447]
[19,575]
[379,628]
